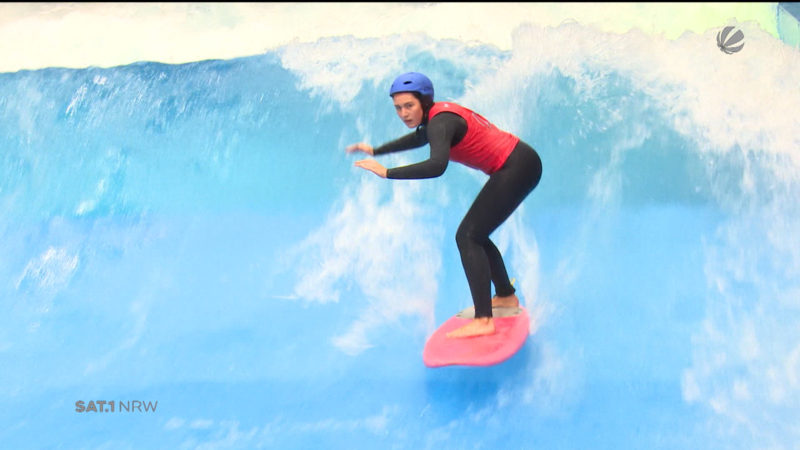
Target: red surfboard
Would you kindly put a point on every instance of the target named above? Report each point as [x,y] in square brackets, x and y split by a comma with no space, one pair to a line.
[511,331]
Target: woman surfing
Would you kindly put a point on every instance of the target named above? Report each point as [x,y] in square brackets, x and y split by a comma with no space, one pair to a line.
[459,134]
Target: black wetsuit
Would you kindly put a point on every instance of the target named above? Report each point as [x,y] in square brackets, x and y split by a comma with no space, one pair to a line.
[500,196]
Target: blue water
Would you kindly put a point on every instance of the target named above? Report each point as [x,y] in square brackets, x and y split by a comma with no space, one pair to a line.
[195,235]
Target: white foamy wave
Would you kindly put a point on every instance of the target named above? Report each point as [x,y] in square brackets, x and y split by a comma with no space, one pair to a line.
[380,246]
[52,270]
[722,102]
[338,68]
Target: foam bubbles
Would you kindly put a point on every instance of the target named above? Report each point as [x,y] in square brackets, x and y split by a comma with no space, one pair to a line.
[375,247]
[52,270]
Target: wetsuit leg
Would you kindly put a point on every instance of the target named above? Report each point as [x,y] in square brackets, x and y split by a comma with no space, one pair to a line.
[500,196]
[502,285]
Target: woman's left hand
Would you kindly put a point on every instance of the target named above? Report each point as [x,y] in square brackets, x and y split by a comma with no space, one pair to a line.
[373,166]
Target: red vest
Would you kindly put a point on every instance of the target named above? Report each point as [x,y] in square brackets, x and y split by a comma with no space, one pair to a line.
[485,146]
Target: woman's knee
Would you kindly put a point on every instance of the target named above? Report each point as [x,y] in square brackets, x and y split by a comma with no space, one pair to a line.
[467,235]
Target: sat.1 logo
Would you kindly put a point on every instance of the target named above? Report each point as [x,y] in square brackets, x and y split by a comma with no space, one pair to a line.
[727,42]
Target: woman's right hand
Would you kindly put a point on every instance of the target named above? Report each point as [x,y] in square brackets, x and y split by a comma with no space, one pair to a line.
[360,147]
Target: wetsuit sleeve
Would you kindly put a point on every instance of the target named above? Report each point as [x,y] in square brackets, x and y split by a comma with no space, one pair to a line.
[416,139]
[441,130]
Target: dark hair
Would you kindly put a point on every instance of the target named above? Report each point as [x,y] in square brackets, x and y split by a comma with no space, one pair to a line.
[427,103]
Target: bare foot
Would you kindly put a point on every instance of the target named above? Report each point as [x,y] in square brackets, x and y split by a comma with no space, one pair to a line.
[512,301]
[478,327]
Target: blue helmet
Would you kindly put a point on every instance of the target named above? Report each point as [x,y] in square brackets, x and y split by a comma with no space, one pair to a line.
[412,82]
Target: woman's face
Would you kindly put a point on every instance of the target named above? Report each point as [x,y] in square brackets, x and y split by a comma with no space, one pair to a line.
[408,108]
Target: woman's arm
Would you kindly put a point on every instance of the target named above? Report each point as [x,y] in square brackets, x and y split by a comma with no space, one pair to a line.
[441,131]
[415,139]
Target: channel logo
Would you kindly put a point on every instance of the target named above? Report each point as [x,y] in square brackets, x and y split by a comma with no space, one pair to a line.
[727,42]
[119,406]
